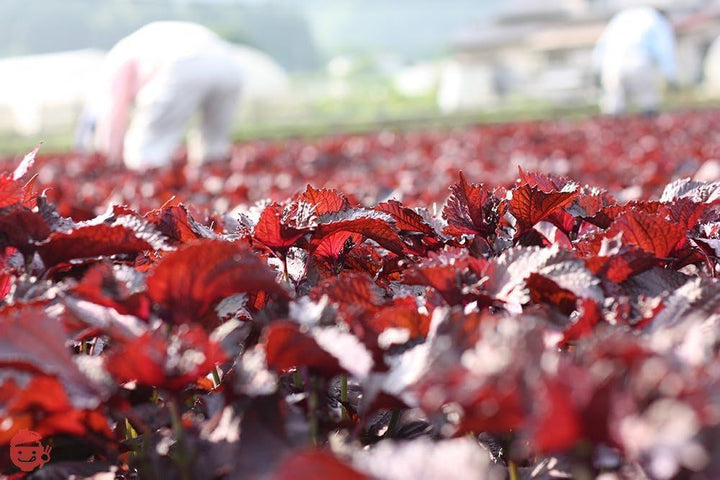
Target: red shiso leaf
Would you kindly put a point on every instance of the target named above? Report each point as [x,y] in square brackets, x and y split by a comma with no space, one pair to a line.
[286,347]
[530,205]
[173,362]
[11,191]
[546,182]
[21,228]
[545,290]
[351,290]
[175,222]
[403,313]
[187,283]
[33,341]
[406,220]
[557,424]
[590,315]
[324,200]
[368,223]
[618,267]
[90,241]
[335,245]
[43,406]
[652,233]
[315,464]
[273,232]
[470,209]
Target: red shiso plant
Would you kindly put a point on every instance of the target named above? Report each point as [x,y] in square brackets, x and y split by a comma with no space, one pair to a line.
[522,328]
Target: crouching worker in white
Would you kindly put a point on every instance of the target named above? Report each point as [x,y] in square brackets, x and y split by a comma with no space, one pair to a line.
[635,43]
[155,80]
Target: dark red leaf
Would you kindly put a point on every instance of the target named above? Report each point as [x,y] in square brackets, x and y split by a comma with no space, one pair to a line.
[450,273]
[368,223]
[21,228]
[618,266]
[557,424]
[351,290]
[470,209]
[286,347]
[590,315]
[315,464]
[11,191]
[44,407]
[402,314]
[100,285]
[544,290]
[406,220]
[588,206]
[188,282]
[336,245]
[33,341]
[273,232]
[492,408]
[608,214]
[530,205]
[562,220]
[176,223]
[170,362]
[652,233]
[684,211]
[91,241]
[324,200]
[546,182]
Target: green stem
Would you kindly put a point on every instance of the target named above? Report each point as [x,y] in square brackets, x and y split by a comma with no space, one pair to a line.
[182,458]
[344,395]
[297,379]
[130,432]
[513,470]
[312,406]
[216,376]
[393,423]
[286,276]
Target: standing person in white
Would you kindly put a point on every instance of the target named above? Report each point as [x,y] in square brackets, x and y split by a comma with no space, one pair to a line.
[155,80]
[634,45]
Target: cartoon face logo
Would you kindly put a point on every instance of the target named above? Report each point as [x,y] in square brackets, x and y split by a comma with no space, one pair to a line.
[26,451]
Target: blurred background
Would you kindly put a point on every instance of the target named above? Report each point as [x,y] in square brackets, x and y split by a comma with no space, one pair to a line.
[331,66]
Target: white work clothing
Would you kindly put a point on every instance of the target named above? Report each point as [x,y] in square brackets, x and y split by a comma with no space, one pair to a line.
[634,45]
[711,69]
[166,72]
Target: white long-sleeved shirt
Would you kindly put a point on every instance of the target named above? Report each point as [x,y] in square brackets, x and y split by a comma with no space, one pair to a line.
[637,38]
[132,62]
